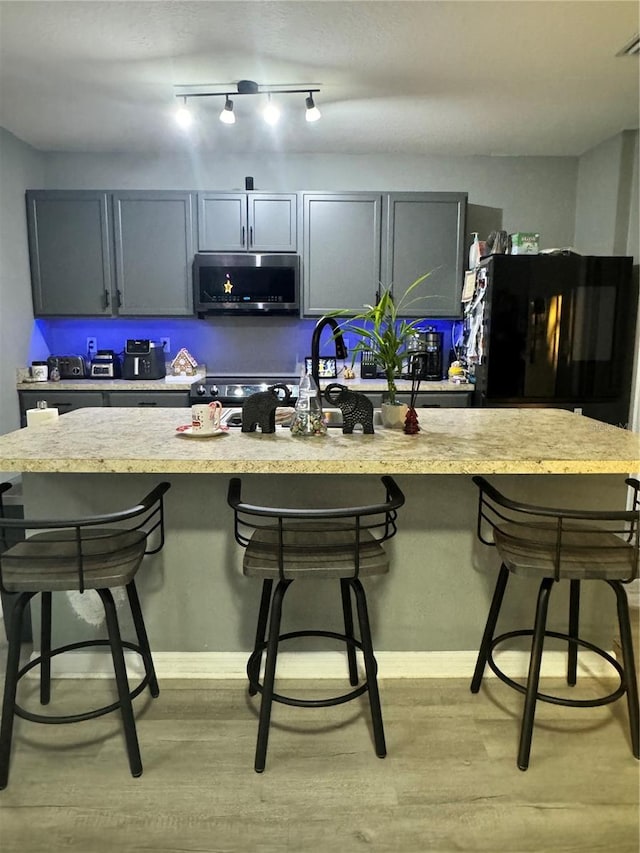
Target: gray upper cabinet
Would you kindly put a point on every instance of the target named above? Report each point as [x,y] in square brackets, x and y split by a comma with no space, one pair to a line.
[341,250]
[70,250]
[101,253]
[154,248]
[425,233]
[247,222]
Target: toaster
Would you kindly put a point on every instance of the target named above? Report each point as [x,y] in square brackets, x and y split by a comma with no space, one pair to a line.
[68,366]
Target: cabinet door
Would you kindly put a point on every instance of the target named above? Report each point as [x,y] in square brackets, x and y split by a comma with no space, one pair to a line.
[272,222]
[425,233]
[70,253]
[63,401]
[154,248]
[341,251]
[166,399]
[222,222]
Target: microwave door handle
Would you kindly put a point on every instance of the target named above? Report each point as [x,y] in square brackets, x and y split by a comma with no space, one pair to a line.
[136,361]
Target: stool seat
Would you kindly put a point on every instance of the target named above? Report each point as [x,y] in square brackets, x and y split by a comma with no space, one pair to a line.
[313,550]
[287,544]
[555,545]
[49,561]
[90,555]
[531,550]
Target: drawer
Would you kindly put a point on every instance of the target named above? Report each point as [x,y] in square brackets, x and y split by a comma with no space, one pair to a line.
[161,399]
[63,401]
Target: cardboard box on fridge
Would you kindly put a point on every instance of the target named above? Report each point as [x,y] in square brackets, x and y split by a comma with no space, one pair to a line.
[524,243]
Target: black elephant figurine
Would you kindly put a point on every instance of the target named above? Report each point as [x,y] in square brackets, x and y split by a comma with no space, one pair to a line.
[355,407]
[260,409]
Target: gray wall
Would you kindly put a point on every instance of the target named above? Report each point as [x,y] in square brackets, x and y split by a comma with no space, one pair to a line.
[606,211]
[517,194]
[20,167]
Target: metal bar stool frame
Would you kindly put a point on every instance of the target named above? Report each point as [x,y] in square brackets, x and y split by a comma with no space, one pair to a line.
[142,521]
[365,524]
[572,536]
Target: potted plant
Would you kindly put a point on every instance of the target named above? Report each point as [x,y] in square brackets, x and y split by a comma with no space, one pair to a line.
[386,335]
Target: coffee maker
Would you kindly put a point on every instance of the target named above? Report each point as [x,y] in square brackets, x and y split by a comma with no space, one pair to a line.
[425,356]
[143,359]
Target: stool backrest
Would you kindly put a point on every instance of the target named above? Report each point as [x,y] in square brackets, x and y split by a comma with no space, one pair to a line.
[357,522]
[82,537]
[573,531]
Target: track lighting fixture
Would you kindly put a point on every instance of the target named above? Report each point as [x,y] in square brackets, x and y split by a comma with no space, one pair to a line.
[227,116]
[271,112]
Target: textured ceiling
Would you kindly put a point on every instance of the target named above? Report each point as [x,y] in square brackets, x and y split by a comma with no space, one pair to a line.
[458,78]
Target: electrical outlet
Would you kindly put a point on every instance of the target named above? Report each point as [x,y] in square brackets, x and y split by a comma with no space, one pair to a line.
[166,344]
[92,346]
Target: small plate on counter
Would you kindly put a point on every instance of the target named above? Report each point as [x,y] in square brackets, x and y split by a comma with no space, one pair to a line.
[189,431]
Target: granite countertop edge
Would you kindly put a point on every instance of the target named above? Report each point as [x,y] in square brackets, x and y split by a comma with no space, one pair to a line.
[371,385]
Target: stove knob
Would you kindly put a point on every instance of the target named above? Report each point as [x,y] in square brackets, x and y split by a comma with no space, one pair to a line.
[201,390]
[213,390]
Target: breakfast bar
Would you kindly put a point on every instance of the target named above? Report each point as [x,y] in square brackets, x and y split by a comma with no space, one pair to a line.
[435,598]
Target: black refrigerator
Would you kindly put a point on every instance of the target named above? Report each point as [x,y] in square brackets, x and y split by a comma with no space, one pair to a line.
[553,330]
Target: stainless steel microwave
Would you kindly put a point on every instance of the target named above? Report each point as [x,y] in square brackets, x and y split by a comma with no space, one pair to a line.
[246,284]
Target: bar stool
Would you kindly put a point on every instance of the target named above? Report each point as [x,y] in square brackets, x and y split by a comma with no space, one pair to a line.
[99,553]
[560,544]
[306,544]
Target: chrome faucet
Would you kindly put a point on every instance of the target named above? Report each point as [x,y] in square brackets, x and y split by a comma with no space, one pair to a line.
[341,350]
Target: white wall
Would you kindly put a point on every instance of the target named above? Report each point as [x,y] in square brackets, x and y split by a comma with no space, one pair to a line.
[20,167]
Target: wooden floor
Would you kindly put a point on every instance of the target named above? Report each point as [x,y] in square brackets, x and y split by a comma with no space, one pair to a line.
[449,782]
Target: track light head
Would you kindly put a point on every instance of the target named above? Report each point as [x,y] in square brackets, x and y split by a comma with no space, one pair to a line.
[271,112]
[312,113]
[227,116]
[183,117]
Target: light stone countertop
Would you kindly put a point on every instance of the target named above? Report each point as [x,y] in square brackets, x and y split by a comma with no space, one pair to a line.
[451,441]
[184,384]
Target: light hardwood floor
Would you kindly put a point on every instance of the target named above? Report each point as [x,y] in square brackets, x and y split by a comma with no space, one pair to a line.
[449,782]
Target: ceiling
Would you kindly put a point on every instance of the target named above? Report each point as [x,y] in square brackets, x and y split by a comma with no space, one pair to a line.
[435,77]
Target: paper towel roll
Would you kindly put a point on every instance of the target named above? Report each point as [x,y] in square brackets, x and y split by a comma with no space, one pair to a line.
[39,417]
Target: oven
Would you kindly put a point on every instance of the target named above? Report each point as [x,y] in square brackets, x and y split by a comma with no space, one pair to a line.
[230,390]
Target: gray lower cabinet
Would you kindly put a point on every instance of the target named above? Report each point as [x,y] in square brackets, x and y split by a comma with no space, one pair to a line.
[101,253]
[166,399]
[425,233]
[247,222]
[67,401]
[341,250]
[63,401]
[70,251]
[154,237]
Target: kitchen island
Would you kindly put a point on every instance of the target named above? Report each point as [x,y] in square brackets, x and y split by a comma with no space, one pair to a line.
[436,595]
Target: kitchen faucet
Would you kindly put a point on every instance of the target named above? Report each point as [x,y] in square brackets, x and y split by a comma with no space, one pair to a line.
[341,349]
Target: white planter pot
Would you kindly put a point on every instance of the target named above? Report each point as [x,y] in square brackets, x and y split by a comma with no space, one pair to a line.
[393,415]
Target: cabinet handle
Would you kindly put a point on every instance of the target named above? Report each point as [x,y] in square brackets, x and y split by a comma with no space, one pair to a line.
[251,235]
[106,299]
[147,404]
[243,235]
[119,298]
